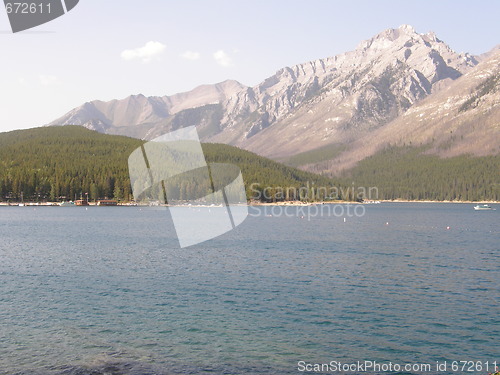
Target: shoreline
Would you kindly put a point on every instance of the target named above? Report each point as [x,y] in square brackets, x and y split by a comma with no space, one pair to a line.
[366,203]
[427,201]
[252,203]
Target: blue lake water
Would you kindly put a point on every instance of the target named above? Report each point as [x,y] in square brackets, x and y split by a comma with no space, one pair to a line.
[109,291]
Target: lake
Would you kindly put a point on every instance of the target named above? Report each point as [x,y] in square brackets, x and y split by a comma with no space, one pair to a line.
[108,290]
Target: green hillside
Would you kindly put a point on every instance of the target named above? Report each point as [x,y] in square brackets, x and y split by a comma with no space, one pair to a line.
[56,163]
[409,173]
[317,155]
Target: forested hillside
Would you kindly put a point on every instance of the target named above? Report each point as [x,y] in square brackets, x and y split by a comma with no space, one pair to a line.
[58,163]
[64,163]
[408,173]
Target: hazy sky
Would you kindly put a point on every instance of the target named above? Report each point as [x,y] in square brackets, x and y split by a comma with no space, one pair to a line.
[105,49]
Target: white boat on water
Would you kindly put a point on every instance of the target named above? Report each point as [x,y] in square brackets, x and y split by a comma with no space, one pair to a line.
[67,204]
[483,207]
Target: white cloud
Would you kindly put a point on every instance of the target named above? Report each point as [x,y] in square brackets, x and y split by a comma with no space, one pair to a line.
[48,80]
[150,51]
[222,58]
[190,55]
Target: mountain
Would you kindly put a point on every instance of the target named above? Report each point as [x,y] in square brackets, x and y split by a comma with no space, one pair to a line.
[53,163]
[335,99]
[146,117]
[321,115]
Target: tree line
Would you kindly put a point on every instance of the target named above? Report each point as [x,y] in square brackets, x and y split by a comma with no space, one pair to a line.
[69,162]
[408,173]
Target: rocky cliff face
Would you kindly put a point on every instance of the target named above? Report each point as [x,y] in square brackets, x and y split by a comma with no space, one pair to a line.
[335,99]
[463,118]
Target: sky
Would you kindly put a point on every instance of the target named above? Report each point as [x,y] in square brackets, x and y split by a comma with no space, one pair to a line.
[105,49]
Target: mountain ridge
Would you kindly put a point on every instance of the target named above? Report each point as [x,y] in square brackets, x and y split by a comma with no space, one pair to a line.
[136,110]
[332,101]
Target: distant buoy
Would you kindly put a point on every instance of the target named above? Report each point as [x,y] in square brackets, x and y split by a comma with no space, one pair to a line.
[387,223]
[447,227]
[345,219]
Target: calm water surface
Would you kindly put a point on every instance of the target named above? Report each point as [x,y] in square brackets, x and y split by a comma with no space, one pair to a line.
[109,291]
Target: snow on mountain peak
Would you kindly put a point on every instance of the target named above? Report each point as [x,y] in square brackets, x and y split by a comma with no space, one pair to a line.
[407,28]
[387,38]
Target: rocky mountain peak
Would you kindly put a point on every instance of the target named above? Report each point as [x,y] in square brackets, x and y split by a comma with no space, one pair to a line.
[387,38]
[373,84]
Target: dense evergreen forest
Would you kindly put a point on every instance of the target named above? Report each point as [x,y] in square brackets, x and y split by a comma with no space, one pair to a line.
[317,155]
[408,173]
[65,163]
